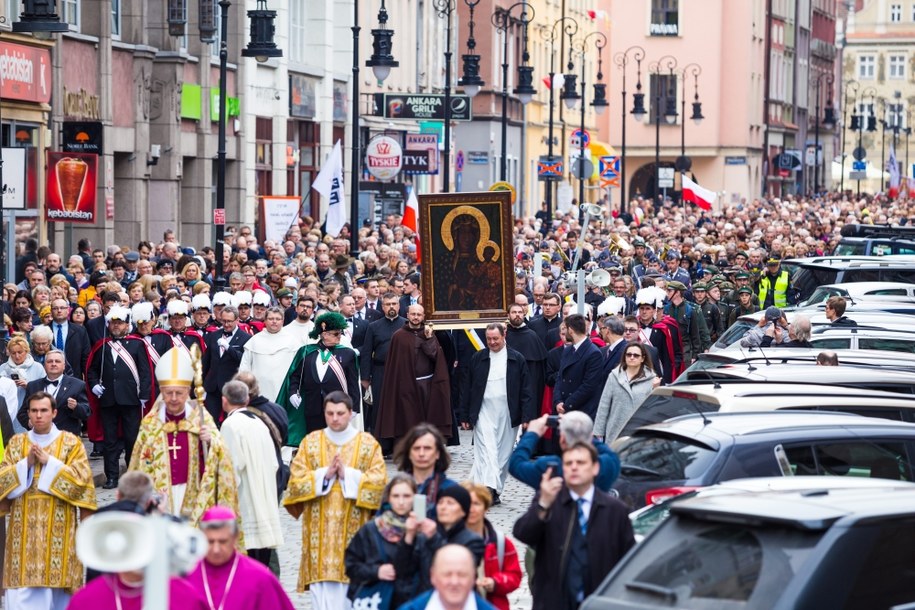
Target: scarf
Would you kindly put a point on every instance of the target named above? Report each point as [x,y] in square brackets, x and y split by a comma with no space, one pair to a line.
[391,526]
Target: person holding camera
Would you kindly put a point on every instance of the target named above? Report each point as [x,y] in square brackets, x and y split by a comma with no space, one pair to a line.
[577,531]
[771,324]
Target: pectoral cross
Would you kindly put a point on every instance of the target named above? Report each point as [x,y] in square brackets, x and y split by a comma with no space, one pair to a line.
[174,447]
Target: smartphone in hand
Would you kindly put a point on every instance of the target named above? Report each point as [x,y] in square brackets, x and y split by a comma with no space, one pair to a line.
[419,506]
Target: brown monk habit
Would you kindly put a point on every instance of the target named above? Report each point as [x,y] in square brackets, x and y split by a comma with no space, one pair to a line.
[407,398]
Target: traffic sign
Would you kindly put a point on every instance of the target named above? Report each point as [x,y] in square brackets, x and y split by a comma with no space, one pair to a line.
[576,138]
[665,178]
[859,153]
[582,168]
[857,175]
[549,168]
[859,165]
[609,166]
[459,161]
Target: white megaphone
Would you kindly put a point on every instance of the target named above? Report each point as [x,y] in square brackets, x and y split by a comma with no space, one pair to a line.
[127,542]
[591,209]
[600,278]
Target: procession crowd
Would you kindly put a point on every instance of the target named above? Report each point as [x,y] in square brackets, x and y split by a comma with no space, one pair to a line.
[293,385]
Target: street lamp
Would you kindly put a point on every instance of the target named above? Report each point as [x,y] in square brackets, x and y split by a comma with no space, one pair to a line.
[598,103]
[622,60]
[853,85]
[445,10]
[502,20]
[669,63]
[381,63]
[39,19]
[684,163]
[550,35]
[261,47]
[829,121]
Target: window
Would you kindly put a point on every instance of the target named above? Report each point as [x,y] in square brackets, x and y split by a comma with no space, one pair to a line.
[866,66]
[665,18]
[69,12]
[890,553]
[870,459]
[297,33]
[116,18]
[263,156]
[897,66]
[11,11]
[895,13]
[214,47]
[666,86]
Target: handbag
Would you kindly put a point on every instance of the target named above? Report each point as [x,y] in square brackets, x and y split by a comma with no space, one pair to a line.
[378,595]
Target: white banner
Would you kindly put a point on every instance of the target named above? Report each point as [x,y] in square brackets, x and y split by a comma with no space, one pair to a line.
[14,178]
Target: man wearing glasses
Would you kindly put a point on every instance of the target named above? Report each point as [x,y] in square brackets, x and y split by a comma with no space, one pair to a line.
[222,357]
[317,370]
[301,327]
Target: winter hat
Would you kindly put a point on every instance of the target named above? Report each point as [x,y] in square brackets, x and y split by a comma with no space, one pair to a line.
[459,494]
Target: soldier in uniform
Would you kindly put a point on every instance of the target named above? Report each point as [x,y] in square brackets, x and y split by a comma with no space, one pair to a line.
[710,311]
[746,304]
[674,272]
[741,279]
[693,330]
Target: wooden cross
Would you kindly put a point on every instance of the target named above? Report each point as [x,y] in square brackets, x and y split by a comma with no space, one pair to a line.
[174,447]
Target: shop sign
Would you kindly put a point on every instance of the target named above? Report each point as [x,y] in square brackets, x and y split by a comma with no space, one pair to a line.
[82,105]
[71,180]
[25,73]
[384,157]
[83,137]
[430,106]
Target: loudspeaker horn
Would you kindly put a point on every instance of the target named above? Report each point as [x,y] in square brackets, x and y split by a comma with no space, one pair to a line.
[591,209]
[115,542]
[599,277]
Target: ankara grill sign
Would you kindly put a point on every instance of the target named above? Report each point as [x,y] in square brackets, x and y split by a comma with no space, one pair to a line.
[427,106]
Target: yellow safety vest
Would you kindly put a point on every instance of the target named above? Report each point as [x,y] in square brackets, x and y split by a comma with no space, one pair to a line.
[781,290]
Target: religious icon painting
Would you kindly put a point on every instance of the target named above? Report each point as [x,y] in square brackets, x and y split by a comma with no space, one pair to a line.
[466,243]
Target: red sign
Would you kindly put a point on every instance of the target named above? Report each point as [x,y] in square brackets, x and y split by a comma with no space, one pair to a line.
[25,73]
[219,216]
[72,180]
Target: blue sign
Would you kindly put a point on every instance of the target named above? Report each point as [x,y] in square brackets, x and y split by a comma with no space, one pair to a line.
[859,165]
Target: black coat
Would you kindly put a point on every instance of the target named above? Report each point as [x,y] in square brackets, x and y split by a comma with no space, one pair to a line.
[219,370]
[580,379]
[542,327]
[609,537]
[121,389]
[370,315]
[521,407]
[76,347]
[67,419]
[368,551]
[359,329]
[96,328]
[417,557]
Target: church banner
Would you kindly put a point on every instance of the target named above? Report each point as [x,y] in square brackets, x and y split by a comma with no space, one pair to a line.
[467,260]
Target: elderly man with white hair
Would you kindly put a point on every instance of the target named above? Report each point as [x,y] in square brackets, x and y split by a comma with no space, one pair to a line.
[119,373]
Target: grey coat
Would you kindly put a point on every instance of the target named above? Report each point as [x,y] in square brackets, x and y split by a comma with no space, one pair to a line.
[619,401]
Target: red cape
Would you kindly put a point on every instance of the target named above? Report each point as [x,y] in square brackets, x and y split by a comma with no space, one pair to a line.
[94,423]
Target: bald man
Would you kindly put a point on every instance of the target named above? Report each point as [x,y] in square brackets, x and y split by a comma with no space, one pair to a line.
[453,577]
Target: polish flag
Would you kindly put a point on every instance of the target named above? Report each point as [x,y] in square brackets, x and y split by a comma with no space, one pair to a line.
[411,220]
[704,198]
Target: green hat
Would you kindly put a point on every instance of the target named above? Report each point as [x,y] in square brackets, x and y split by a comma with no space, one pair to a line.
[711,269]
[744,289]
[742,253]
[330,320]
[728,286]
[283,292]
[700,286]
[676,286]
[638,242]
[742,275]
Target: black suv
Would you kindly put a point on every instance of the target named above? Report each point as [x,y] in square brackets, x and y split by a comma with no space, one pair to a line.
[875,240]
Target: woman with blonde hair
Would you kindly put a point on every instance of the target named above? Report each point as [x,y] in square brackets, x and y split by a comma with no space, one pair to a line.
[22,369]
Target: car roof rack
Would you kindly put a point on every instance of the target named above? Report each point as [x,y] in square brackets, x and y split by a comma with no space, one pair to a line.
[859,230]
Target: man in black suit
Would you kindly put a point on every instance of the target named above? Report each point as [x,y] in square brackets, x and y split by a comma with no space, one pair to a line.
[363,311]
[356,328]
[96,327]
[411,293]
[578,532]
[221,358]
[120,375]
[580,379]
[69,393]
[72,339]
[550,319]
[612,330]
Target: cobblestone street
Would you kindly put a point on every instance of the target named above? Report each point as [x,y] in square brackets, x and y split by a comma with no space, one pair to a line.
[515,500]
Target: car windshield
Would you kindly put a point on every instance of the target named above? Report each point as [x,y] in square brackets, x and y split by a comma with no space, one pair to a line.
[808,279]
[821,294]
[650,457]
[857,248]
[697,564]
[734,333]
[661,407]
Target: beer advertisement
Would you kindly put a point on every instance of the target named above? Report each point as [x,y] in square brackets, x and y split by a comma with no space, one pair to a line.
[72,180]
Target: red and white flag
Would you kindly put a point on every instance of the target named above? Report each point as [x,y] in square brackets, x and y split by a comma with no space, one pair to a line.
[702,197]
[411,219]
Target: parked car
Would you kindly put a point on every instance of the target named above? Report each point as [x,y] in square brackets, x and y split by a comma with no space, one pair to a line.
[876,240]
[808,274]
[713,396]
[803,372]
[858,292]
[758,357]
[646,519]
[703,449]
[780,550]
[873,320]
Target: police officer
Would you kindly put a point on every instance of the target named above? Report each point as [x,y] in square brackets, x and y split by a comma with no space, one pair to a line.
[775,285]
